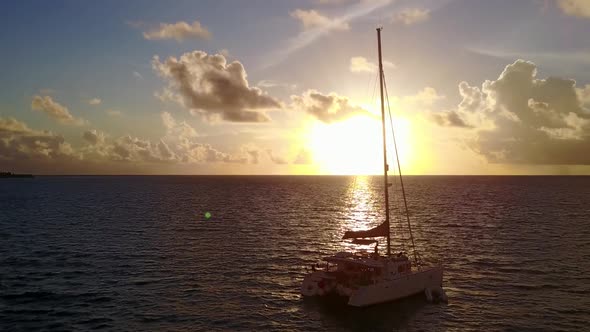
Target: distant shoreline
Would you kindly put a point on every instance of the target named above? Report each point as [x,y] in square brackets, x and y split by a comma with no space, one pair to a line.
[8,175]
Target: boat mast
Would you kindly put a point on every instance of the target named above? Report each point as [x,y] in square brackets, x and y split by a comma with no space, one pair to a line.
[385,166]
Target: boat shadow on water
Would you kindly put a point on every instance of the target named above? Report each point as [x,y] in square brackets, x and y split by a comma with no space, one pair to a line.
[334,312]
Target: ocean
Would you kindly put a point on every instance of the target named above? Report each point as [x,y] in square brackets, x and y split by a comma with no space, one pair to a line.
[228,253]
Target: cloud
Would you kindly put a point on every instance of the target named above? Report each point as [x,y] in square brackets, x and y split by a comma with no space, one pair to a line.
[304,157]
[574,58]
[137,75]
[169,149]
[180,130]
[310,35]
[47,91]
[94,101]
[19,142]
[426,97]
[359,64]
[312,19]
[327,108]
[208,85]
[26,149]
[93,136]
[254,155]
[410,16]
[276,159]
[331,2]
[579,8]
[178,31]
[114,113]
[182,143]
[47,105]
[584,95]
[269,84]
[521,119]
[450,119]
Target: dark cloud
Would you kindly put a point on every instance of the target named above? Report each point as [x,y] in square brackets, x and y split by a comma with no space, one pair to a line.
[523,119]
[93,136]
[208,85]
[327,108]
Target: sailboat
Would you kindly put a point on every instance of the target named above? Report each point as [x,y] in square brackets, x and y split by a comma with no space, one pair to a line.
[363,278]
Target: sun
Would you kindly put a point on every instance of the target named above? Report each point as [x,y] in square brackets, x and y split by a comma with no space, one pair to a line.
[354,146]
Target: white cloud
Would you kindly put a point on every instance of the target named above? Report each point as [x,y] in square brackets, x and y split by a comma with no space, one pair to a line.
[53,109]
[208,85]
[308,36]
[114,113]
[572,58]
[410,16]
[359,64]
[311,19]
[268,84]
[579,8]
[174,129]
[224,52]
[94,101]
[178,31]
[520,119]
[427,97]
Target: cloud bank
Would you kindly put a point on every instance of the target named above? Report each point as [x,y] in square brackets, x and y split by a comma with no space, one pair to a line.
[520,119]
[19,142]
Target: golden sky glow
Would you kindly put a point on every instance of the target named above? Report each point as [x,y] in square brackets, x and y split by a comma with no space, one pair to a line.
[160,89]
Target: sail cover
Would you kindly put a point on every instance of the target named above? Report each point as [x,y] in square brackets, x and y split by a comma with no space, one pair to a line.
[364,241]
[380,230]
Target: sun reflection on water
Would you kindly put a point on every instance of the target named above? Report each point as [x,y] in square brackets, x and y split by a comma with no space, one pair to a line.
[362,210]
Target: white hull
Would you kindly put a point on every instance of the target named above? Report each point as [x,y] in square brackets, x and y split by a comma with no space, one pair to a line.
[427,280]
[402,286]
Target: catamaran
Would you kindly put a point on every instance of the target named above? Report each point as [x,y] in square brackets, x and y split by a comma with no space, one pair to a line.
[364,278]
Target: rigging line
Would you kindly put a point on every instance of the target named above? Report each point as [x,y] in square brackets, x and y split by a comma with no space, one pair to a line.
[400,173]
[374,88]
[399,209]
[396,206]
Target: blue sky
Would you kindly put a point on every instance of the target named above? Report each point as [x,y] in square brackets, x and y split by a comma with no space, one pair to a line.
[72,52]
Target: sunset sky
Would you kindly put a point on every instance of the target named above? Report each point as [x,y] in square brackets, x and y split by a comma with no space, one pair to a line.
[290,87]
